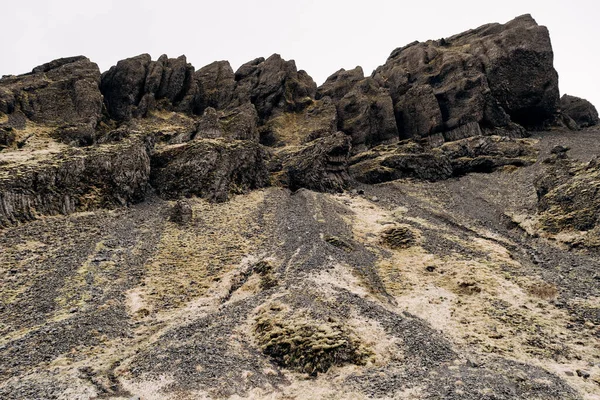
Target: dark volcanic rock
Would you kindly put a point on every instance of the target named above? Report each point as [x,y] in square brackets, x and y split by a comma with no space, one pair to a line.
[322,165]
[365,110]
[274,85]
[75,180]
[137,85]
[293,128]
[404,160]
[580,110]
[569,198]
[62,92]
[487,153]
[182,212]
[213,169]
[7,137]
[366,113]
[490,75]
[411,160]
[340,83]
[216,84]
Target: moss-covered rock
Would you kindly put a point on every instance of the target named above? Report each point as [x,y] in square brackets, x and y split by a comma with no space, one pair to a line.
[301,343]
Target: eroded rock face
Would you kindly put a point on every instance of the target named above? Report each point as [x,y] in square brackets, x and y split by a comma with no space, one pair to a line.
[580,110]
[365,110]
[411,160]
[322,165]
[569,198]
[213,169]
[76,180]
[63,93]
[491,75]
[274,85]
[216,83]
[134,86]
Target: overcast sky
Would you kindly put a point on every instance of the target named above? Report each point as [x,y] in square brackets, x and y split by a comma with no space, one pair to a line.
[322,36]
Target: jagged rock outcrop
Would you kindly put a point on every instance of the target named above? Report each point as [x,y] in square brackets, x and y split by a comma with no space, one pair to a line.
[239,123]
[210,168]
[411,160]
[274,85]
[75,180]
[137,85]
[321,165]
[216,85]
[491,75]
[580,110]
[62,94]
[365,110]
[569,198]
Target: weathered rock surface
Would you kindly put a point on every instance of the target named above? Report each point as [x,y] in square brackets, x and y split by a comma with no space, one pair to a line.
[274,85]
[580,110]
[216,85]
[321,165]
[63,93]
[569,199]
[137,85]
[491,75]
[365,110]
[319,119]
[105,176]
[411,160]
[210,168]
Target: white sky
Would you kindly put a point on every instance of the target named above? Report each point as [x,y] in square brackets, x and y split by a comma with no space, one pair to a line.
[322,36]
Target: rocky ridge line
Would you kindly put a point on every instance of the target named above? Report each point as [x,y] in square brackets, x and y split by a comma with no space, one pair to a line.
[434,110]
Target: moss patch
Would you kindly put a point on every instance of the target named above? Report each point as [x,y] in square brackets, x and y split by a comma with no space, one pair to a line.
[296,341]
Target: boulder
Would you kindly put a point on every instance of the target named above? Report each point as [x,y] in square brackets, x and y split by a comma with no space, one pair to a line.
[64,92]
[580,110]
[493,75]
[209,168]
[182,212]
[137,85]
[74,180]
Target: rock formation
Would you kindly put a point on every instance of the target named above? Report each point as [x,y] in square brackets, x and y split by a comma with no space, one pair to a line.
[580,110]
[167,232]
[495,75]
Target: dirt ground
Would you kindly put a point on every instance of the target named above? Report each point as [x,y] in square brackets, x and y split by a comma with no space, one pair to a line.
[468,303]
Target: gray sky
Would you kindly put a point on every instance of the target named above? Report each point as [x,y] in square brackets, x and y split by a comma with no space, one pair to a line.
[322,36]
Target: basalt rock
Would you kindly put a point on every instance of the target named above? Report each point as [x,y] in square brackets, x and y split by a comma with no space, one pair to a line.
[321,165]
[491,75]
[409,159]
[216,85]
[293,128]
[580,110]
[569,198]
[209,168]
[366,113]
[137,85]
[365,110]
[340,83]
[103,176]
[274,85]
[62,93]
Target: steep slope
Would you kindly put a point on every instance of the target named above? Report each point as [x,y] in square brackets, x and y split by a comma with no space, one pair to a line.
[167,233]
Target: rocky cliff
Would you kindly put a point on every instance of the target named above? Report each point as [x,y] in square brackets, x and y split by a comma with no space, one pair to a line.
[428,231]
